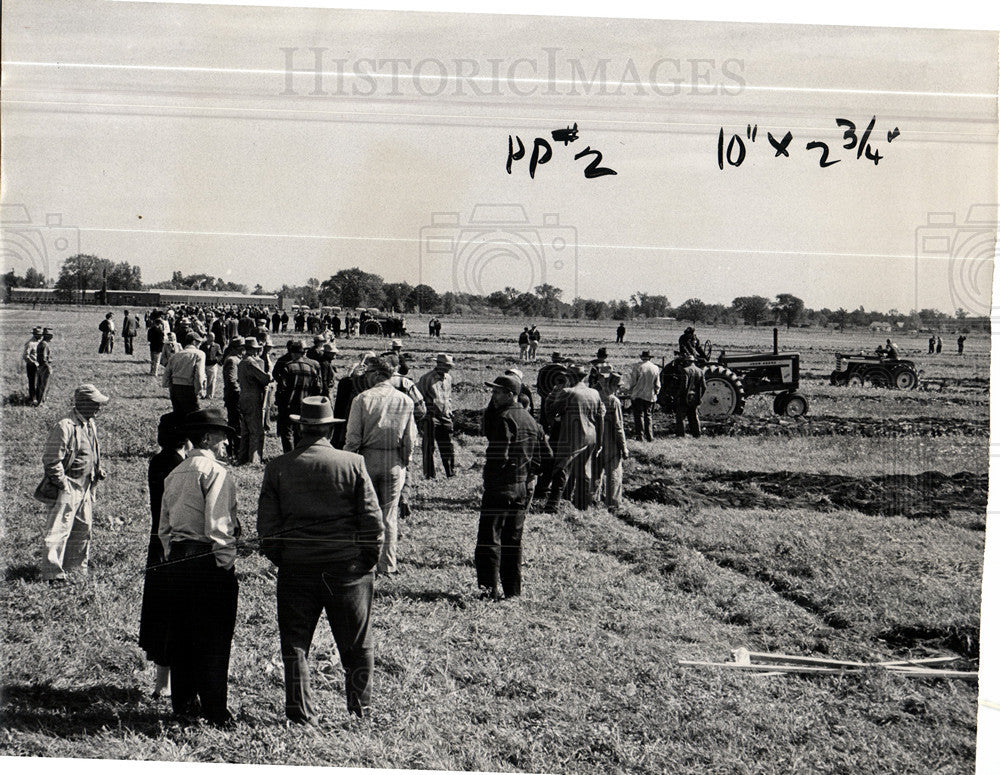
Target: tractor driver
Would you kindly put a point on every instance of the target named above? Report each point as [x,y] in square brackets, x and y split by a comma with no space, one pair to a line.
[689,344]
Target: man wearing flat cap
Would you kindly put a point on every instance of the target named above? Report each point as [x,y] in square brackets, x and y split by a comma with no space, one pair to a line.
[198,528]
[581,429]
[72,463]
[644,387]
[513,456]
[435,387]
[185,375]
[30,358]
[319,520]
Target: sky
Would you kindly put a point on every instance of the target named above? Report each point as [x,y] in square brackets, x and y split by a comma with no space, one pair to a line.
[200,139]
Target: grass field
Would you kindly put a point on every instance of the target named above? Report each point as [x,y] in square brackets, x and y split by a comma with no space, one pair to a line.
[855,532]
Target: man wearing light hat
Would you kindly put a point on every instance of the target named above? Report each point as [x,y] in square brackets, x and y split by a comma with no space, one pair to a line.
[435,387]
[72,463]
[185,375]
[253,378]
[30,358]
[319,520]
[381,428]
[512,457]
[644,387]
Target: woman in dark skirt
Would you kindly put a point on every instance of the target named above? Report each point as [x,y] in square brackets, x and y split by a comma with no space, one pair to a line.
[153,618]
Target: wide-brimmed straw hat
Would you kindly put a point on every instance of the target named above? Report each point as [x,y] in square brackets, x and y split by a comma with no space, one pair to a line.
[316,410]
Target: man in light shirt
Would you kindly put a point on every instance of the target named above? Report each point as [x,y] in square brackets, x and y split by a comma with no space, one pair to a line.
[198,529]
[435,387]
[381,428]
[185,376]
[643,387]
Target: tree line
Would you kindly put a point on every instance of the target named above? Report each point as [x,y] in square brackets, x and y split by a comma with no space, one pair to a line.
[356,288]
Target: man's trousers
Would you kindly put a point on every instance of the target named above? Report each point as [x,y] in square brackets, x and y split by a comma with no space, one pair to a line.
[498,544]
[346,596]
[438,431]
[202,616]
[67,534]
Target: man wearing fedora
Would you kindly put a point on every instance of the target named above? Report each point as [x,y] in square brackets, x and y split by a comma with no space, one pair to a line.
[44,356]
[381,428]
[231,389]
[296,377]
[512,458]
[581,429]
[29,355]
[319,520]
[185,375]
[253,378]
[198,529]
[72,463]
[643,388]
[435,387]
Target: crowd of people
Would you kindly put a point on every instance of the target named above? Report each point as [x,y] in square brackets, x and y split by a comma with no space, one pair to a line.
[328,506]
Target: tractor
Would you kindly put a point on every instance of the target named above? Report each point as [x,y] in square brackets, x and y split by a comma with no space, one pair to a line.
[858,369]
[731,379]
[374,322]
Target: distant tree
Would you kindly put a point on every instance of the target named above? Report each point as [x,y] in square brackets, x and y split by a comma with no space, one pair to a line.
[353,288]
[528,304]
[596,310]
[498,300]
[423,298]
[549,296]
[395,295]
[788,308]
[620,310]
[859,318]
[753,309]
[648,305]
[693,310]
[87,272]
[450,303]
[960,313]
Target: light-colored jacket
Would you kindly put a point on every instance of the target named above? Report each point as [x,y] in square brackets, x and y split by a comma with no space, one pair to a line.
[381,421]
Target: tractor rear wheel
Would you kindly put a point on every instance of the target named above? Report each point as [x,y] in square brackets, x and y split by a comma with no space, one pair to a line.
[904,378]
[371,328]
[879,376]
[724,394]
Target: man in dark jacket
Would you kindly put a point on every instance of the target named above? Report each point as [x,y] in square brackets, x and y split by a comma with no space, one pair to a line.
[297,377]
[512,456]
[319,521]
[130,326]
[231,390]
[690,389]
